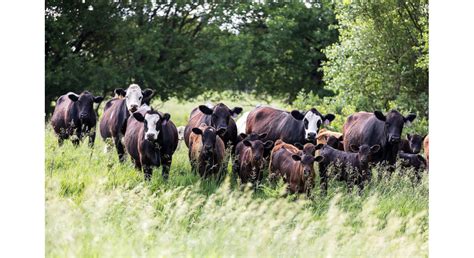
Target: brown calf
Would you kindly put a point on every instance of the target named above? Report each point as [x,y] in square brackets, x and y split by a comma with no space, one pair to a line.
[206,151]
[295,166]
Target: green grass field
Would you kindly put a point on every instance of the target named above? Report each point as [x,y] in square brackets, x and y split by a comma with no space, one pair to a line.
[97,207]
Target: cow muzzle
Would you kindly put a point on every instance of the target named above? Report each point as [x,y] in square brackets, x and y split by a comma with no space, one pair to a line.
[311,136]
[394,139]
[151,136]
[133,108]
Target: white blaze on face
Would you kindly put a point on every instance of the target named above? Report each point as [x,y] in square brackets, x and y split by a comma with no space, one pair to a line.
[151,121]
[133,97]
[313,121]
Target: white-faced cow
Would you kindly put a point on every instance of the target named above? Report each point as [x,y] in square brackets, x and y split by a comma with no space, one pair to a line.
[74,117]
[113,123]
[220,117]
[376,128]
[151,139]
[291,127]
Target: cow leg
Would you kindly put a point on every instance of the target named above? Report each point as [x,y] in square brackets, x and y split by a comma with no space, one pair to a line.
[91,138]
[323,179]
[166,163]
[120,149]
[147,170]
[76,139]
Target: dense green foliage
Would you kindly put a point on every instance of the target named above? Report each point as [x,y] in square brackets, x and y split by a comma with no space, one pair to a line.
[381,59]
[184,49]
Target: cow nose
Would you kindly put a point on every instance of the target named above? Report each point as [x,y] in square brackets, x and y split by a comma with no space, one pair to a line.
[394,139]
[83,115]
[221,130]
[311,136]
[150,136]
[133,108]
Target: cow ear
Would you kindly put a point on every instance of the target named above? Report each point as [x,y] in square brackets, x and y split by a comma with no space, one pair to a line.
[354,148]
[319,159]
[299,145]
[147,95]
[341,138]
[375,148]
[166,117]
[296,157]
[197,130]
[247,143]
[319,146]
[120,92]
[410,118]
[380,116]
[236,111]
[205,109]
[328,118]
[98,99]
[73,96]
[262,136]
[139,117]
[268,144]
[243,135]
[297,115]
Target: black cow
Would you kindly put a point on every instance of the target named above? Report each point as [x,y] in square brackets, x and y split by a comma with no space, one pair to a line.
[376,128]
[74,117]
[291,127]
[151,139]
[113,123]
[357,161]
[416,161]
[219,117]
[412,144]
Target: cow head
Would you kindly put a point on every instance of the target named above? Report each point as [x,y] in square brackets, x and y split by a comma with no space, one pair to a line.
[365,152]
[135,97]
[415,141]
[257,148]
[306,160]
[85,105]
[153,122]
[220,115]
[334,142]
[208,137]
[394,122]
[312,121]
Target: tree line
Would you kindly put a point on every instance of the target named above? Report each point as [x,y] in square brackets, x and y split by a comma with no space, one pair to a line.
[373,55]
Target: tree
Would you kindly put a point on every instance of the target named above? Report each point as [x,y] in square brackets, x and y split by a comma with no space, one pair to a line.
[381,59]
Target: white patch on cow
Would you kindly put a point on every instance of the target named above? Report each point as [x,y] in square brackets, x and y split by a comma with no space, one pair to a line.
[408,123]
[209,105]
[151,120]
[181,132]
[312,123]
[133,97]
[144,108]
[242,123]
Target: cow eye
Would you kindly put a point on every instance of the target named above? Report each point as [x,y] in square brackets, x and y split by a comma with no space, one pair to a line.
[305,123]
[140,98]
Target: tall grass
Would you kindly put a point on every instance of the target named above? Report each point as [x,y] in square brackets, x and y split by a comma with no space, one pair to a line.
[96,206]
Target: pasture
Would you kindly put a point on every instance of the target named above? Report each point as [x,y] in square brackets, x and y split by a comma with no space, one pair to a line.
[97,207]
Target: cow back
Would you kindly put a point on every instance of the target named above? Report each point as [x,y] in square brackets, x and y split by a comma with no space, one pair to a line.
[276,123]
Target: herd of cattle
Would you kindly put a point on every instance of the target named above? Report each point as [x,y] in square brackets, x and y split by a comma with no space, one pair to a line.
[287,143]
